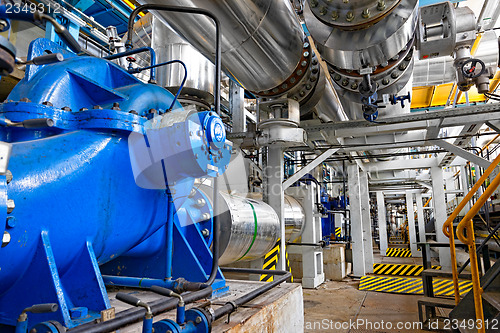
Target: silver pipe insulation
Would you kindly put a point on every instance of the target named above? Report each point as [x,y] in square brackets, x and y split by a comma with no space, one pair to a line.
[262,40]
[250,228]
[263,48]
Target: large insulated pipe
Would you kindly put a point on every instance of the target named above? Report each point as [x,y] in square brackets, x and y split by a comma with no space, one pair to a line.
[250,228]
[262,40]
[199,85]
[263,48]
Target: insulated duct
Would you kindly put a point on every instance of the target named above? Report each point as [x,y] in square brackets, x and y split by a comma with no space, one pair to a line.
[263,48]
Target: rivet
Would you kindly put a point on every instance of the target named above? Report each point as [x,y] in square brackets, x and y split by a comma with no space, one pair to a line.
[306,54]
[292,80]
[306,45]
[302,93]
[381,5]
[303,63]
[83,109]
[10,205]
[97,107]
[308,86]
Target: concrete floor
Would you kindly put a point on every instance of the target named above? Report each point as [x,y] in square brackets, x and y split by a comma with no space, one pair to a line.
[334,303]
[337,303]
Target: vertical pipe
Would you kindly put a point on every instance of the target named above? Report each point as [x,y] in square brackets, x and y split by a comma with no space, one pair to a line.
[170,235]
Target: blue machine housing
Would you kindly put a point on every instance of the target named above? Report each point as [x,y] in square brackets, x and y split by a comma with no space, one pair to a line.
[77,203]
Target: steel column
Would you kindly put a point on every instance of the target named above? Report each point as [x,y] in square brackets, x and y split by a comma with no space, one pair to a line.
[366,221]
[420,218]
[440,216]
[274,193]
[411,224]
[358,255]
[382,222]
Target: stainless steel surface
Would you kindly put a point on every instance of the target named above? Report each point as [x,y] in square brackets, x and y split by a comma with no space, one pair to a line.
[238,226]
[389,80]
[434,71]
[294,218]
[246,221]
[353,14]
[370,47]
[488,51]
[261,40]
[150,31]
[442,28]
[329,107]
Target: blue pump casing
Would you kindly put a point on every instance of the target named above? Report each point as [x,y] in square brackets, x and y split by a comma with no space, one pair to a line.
[77,203]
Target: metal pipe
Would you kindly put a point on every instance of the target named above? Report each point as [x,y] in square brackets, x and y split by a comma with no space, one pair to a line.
[263,40]
[231,306]
[165,8]
[134,315]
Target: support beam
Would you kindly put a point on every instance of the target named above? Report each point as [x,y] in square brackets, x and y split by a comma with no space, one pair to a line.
[358,256]
[309,167]
[274,193]
[463,153]
[401,164]
[382,222]
[237,107]
[420,218]
[440,216]
[366,221]
[411,225]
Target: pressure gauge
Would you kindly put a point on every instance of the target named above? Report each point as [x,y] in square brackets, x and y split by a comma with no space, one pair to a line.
[473,68]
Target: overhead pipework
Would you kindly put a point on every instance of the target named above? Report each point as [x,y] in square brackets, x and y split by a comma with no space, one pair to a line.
[264,49]
[199,86]
[368,45]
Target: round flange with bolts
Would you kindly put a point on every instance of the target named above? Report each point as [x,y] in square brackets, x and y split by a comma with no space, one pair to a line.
[351,14]
[295,77]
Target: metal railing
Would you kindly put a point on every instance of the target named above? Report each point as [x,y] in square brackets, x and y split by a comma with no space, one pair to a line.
[468,239]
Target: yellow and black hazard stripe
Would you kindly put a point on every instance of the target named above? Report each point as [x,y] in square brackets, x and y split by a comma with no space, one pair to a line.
[397,252]
[338,232]
[271,261]
[399,285]
[398,269]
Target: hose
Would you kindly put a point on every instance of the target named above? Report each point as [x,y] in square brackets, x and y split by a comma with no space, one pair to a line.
[230,307]
[134,315]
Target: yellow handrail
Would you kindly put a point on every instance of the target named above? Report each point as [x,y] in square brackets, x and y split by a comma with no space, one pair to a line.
[448,229]
[466,224]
